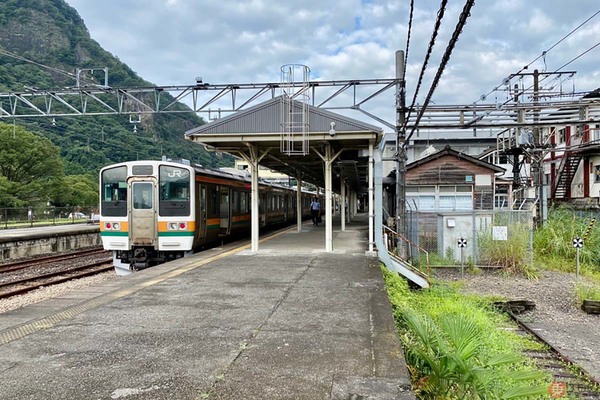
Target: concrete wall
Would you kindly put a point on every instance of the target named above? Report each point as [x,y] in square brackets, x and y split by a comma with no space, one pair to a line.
[29,247]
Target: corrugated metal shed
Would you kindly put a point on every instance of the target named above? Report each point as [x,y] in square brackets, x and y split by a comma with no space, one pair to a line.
[260,127]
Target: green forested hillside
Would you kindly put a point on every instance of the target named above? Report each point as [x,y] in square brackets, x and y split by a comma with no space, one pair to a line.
[51,33]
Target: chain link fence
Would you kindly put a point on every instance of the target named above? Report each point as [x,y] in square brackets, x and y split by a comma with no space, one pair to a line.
[40,216]
[474,238]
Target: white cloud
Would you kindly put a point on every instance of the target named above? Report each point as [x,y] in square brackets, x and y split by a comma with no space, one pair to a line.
[173,41]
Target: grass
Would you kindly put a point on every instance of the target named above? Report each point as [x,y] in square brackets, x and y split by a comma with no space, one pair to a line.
[587,292]
[436,259]
[457,347]
[42,222]
[512,254]
[552,246]
[553,243]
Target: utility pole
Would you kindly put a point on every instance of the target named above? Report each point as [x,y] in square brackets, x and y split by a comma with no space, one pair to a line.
[401,152]
[538,154]
[535,149]
[516,171]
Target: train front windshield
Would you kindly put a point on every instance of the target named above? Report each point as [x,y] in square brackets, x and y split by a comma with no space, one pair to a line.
[114,192]
[174,191]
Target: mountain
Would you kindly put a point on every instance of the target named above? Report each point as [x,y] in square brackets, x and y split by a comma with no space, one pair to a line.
[40,40]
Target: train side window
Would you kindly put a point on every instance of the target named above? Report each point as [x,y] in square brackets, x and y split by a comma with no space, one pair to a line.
[203,199]
[213,202]
[236,202]
[244,203]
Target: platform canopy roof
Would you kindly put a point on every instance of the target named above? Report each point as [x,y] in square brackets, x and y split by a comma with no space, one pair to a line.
[260,128]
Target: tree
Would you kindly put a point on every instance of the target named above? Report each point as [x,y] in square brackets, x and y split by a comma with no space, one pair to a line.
[78,190]
[30,168]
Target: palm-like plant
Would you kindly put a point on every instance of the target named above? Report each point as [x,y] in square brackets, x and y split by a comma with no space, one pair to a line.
[450,365]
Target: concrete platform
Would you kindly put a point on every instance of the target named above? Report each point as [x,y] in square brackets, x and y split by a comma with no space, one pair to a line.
[288,322]
[38,232]
[42,240]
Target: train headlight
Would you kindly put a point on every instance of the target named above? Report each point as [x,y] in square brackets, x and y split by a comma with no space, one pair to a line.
[116,226]
[177,226]
[108,225]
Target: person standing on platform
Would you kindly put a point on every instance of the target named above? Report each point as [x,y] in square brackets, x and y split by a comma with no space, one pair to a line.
[315,209]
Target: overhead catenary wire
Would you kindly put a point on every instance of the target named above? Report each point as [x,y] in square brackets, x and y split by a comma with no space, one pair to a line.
[440,16]
[410,19]
[577,57]
[53,69]
[462,20]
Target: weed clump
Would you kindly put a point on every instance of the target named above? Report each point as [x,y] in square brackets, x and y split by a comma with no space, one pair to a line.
[511,254]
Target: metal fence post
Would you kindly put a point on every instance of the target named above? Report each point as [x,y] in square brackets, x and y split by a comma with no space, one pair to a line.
[530,223]
[474,222]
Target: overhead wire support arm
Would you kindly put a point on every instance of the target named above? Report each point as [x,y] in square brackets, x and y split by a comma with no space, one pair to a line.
[113,100]
[377,93]
[334,95]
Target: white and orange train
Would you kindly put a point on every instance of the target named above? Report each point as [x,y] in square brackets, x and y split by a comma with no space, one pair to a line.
[156,211]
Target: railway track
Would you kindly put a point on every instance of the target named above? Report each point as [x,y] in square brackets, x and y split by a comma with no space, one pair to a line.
[38,261]
[571,381]
[24,276]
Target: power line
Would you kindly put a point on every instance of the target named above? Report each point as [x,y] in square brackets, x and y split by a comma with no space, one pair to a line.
[547,74]
[466,12]
[20,58]
[434,34]
[53,69]
[578,57]
[545,52]
[410,19]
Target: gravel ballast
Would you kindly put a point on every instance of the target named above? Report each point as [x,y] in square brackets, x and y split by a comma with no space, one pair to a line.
[557,316]
[48,292]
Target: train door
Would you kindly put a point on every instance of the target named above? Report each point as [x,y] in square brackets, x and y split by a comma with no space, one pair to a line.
[142,217]
[225,211]
[202,212]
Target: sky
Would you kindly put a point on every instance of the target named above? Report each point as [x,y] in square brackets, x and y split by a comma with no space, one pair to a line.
[171,42]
